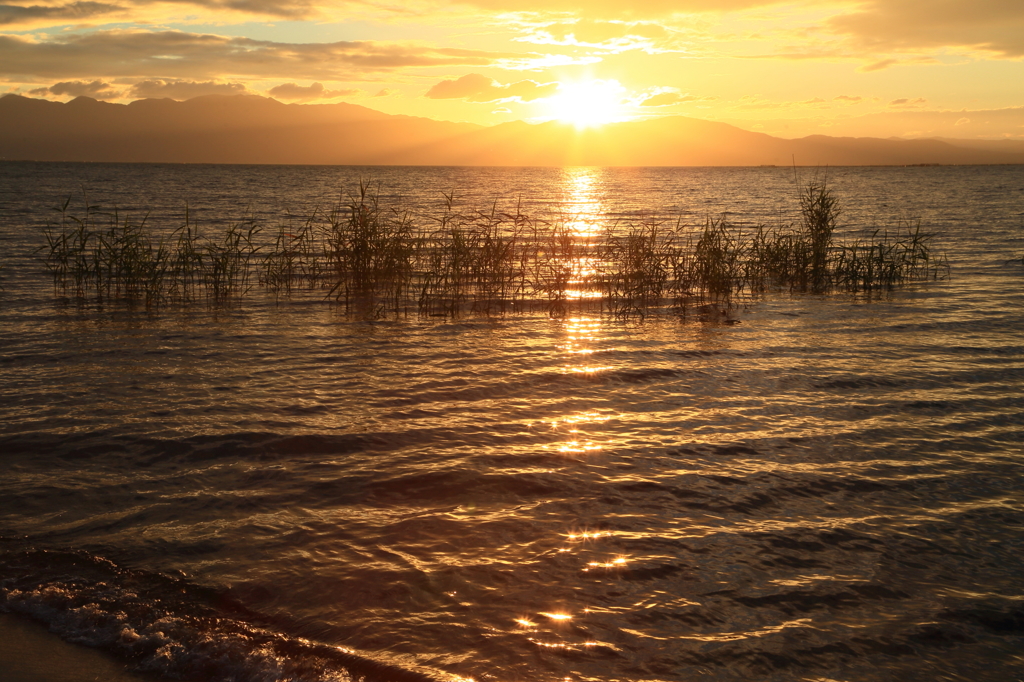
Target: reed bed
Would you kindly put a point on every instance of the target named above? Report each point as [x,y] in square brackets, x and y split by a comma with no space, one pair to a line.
[378,261]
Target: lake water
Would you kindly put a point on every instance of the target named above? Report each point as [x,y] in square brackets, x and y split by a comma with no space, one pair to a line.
[831,489]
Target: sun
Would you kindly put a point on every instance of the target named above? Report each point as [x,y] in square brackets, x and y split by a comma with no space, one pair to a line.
[588,103]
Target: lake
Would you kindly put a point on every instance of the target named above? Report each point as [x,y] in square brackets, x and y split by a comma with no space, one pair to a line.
[813,487]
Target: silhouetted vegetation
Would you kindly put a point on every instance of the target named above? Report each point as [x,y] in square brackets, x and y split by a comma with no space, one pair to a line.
[376,260]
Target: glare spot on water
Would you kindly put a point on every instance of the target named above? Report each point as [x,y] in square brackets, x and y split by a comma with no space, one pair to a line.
[587,535]
[577,446]
[557,616]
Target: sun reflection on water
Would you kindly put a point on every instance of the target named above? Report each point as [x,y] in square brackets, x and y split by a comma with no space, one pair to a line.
[557,616]
[580,332]
[582,204]
[587,535]
[617,562]
[580,224]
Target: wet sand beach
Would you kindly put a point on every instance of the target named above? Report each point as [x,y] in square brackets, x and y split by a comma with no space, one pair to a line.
[30,653]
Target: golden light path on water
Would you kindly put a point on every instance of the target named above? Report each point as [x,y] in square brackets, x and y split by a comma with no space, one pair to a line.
[582,205]
[583,210]
[581,336]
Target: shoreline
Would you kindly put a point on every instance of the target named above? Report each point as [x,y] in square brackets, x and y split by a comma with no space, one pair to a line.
[29,652]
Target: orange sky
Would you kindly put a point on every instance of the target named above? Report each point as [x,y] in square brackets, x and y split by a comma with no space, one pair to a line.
[911,68]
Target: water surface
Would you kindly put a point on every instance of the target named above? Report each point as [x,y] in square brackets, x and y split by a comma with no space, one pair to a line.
[830,489]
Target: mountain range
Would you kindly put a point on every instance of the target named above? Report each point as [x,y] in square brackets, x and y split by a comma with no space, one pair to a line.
[253,129]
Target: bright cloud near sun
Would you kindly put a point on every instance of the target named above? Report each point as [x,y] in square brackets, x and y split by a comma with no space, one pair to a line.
[786,68]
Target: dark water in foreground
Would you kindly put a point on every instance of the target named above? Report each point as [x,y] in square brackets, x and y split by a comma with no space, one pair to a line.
[832,489]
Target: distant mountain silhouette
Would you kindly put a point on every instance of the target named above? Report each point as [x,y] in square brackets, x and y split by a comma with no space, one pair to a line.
[252,129]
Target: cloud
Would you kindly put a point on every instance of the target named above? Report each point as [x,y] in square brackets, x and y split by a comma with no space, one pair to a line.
[962,121]
[614,36]
[17,15]
[95,89]
[879,65]
[886,63]
[609,9]
[304,93]
[905,102]
[636,15]
[475,87]
[179,55]
[285,9]
[384,92]
[759,102]
[847,99]
[995,26]
[158,11]
[545,61]
[182,90]
[664,97]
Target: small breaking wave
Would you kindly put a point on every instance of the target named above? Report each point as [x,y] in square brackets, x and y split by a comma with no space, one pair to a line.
[170,627]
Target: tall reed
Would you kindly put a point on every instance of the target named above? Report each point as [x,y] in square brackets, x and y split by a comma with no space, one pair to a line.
[369,253]
[819,208]
[124,262]
[640,263]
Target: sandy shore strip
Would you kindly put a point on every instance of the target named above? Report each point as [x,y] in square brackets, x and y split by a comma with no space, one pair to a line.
[31,653]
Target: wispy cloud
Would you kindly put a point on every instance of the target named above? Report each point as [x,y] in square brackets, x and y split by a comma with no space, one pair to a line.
[306,93]
[994,26]
[179,55]
[610,36]
[902,61]
[907,102]
[664,97]
[616,9]
[545,61]
[878,66]
[182,90]
[475,87]
[20,15]
[95,89]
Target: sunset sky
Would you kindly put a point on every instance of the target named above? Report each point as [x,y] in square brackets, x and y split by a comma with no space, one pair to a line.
[912,68]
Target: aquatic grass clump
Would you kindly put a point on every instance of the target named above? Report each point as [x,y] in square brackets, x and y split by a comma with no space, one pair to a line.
[124,261]
[369,254]
[776,257]
[819,208]
[886,260]
[500,267]
[293,258]
[477,260]
[564,266]
[715,266]
[226,263]
[376,260]
[640,263]
[67,249]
